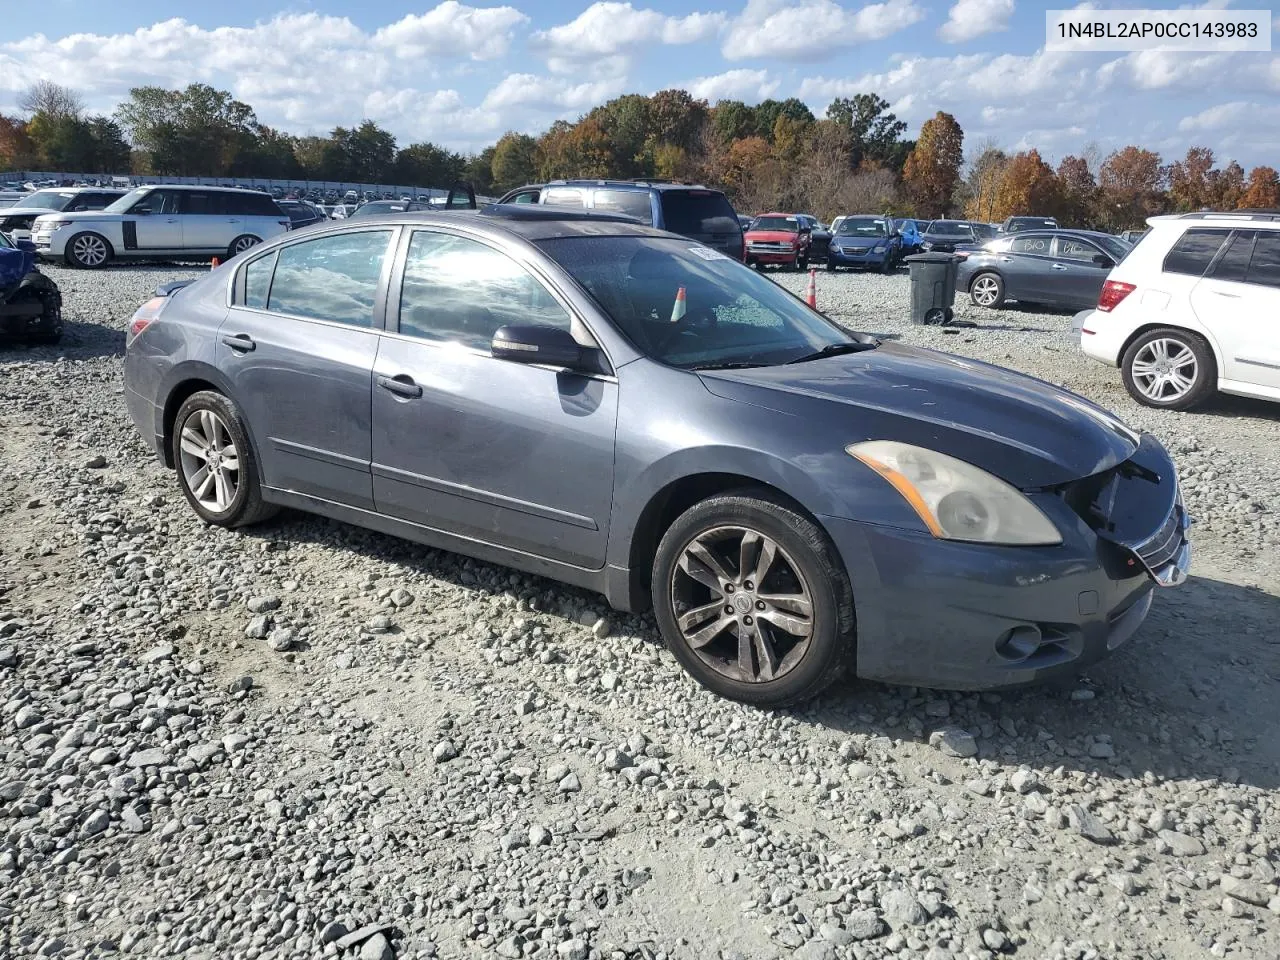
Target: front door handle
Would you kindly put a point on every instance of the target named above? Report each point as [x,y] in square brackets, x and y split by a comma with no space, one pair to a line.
[1223,293]
[172,220]
[240,342]
[1058,266]
[401,385]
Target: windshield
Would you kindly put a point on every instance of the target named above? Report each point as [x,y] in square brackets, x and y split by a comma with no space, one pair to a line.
[45,201]
[864,226]
[951,227]
[784,224]
[1117,248]
[123,204]
[729,314]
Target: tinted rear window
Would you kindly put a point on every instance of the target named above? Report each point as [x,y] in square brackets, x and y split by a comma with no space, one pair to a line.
[697,212]
[634,203]
[1265,266]
[250,204]
[1194,251]
[1234,262]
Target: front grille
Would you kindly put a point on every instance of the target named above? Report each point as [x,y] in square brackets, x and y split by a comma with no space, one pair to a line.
[854,250]
[770,247]
[1162,546]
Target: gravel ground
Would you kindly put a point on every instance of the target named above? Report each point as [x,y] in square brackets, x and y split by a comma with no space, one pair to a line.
[306,740]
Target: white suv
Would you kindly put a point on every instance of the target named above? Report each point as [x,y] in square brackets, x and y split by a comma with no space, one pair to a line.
[1192,309]
[161,222]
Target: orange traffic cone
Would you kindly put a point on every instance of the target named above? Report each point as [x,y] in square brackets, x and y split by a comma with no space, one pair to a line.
[214,263]
[811,295]
[678,308]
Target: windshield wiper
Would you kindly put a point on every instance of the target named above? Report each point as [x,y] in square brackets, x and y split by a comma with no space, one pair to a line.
[726,365]
[836,349]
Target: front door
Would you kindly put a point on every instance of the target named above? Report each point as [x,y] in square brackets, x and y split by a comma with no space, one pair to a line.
[298,347]
[506,453]
[154,222]
[1238,302]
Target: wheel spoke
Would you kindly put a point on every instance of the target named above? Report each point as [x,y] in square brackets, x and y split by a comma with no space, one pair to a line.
[765,653]
[692,618]
[224,494]
[750,545]
[230,461]
[1180,383]
[796,626]
[1185,358]
[192,444]
[796,603]
[746,666]
[700,638]
[1143,368]
[699,564]
[200,482]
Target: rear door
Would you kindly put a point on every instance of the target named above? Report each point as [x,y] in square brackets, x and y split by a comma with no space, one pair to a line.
[1027,268]
[206,224]
[298,347]
[703,215]
[1238,302]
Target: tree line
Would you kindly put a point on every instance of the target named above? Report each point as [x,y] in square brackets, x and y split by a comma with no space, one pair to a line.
[774,155]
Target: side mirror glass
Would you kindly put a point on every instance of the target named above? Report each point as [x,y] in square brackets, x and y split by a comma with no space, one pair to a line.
[536,344]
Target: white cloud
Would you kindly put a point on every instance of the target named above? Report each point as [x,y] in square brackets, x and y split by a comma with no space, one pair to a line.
[611,33]
[750,86]
[782,30]
[553,94]
[451,29]
[1237,113]
[968,19]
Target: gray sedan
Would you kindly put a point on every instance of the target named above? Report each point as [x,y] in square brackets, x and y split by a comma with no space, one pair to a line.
[624,409]
[1055,268]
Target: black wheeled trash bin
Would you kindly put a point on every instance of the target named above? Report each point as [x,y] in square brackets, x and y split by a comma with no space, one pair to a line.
[933,287]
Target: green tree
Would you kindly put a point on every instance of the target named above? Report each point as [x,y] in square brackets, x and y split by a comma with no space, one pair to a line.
[427,165]
[877,132]
[933,168]
[733,120]
[17,152]
[478,171]
[515,161]
[768,111]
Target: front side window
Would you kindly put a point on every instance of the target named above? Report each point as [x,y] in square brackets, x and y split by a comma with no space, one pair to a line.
[691,307]
[1071,249]
[458,290]
[330,278]
[1264,266]
[1194,251]
[563,197]
[155,202]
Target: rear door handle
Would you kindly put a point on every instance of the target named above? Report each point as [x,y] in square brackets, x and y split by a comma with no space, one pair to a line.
[401,385]
[1058,266]
[241,342]
[172,220]
[1221,293]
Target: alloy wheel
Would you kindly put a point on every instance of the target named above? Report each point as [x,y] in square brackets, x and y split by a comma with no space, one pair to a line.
[1165,370]
[742,604]
[243,244]
[89,250]
[985,291]
[210,461]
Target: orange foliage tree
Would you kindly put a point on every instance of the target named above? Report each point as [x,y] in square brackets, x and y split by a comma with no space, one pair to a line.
[1028,186]
[933,166]
[1263,189]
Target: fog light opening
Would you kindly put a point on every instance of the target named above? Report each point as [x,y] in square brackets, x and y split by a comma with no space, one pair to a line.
[1019,643]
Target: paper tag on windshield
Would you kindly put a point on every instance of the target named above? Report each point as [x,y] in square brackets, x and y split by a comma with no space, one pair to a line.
[706,253]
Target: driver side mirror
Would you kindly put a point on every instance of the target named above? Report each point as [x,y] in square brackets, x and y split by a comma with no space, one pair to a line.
[536,344]
[1102,260]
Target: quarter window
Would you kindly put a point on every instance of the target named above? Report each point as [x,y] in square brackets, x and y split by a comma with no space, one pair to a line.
[1194,251]
[1264,268]
[257,281]
[563,197]
[330,278]
[634,203]
[461,291]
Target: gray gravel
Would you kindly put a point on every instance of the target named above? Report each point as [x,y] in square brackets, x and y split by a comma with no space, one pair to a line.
[306,740]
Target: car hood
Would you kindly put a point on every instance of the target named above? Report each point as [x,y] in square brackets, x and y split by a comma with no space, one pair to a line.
[1023,430]
[83,215]
[771,236]
[25,212]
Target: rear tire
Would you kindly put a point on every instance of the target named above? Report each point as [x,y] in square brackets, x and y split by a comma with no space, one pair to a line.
[208,436]
[804,638]
[242,243]
[1169,369]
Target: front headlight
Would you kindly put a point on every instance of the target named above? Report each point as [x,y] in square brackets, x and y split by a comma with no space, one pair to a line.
[879,248]
[52,224]
[956,500]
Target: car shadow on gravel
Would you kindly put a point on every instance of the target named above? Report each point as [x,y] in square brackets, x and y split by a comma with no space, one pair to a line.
[1194,696]
[80,341]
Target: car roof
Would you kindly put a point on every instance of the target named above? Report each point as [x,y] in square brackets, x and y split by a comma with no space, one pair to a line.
[626,184]
[192,187]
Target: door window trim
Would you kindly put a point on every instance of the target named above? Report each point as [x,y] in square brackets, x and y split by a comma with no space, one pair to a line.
[577,322]
[236,285]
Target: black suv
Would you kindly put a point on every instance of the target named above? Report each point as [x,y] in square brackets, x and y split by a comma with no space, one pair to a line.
[1018,224]
[690,210]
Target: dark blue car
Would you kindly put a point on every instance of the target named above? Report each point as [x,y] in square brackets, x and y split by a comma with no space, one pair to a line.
[624,409]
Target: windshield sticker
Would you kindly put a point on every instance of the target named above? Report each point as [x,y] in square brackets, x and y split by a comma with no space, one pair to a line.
[706,253]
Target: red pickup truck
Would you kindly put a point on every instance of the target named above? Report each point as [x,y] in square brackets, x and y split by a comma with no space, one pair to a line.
[781,238]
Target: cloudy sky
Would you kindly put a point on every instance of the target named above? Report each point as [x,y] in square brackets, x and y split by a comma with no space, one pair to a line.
[460,74]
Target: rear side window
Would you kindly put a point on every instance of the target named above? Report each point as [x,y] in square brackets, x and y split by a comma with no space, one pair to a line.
[1194,251]
[251,204]
[1264,267]
[257,281]
[634,203]
[563,197]
[697,212]
[1031,244]
[330,278]
[1234,262]
[202,204]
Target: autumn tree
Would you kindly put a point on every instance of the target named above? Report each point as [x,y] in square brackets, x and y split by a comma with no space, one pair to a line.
[1189,179]
[1226,187]
[1077,191]
[982,181]
[1261,193]
[1131,184]
[51,100]
[515,160]
[1028,186]
[17,152]
[933,168]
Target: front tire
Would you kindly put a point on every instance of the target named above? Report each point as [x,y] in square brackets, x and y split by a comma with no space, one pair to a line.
[241,244]
[88,251]
[1169,369]
[752,599]
[217,470]
[987,290]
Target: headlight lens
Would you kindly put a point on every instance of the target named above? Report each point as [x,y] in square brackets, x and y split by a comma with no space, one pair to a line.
[879,248]
[956,500]
[51,224]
